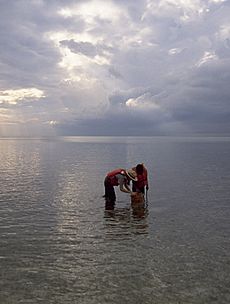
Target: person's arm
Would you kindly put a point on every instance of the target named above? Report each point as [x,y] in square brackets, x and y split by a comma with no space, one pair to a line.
[126,185]
[146,178]
[122,183]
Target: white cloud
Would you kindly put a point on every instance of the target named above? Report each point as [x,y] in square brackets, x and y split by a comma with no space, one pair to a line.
[52,122]
[175,51]
[184,10]
[218,1]
[144,102]
[16,96]
[93,9]
[207,57]
[224,32]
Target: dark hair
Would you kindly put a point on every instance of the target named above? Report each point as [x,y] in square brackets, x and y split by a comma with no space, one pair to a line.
[139,168]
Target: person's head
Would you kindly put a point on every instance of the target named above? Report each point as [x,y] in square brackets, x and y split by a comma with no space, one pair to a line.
[131,174]
[139,168]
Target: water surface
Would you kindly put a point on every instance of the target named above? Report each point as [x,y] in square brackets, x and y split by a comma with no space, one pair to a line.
[58,244]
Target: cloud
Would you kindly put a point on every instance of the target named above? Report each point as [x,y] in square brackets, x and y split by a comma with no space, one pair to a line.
[115,67]
[86,48]
[13,97]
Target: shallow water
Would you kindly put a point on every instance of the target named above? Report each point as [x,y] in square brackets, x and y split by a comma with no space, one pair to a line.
[59,245]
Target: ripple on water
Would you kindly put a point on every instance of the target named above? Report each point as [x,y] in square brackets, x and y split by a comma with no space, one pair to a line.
[60,245]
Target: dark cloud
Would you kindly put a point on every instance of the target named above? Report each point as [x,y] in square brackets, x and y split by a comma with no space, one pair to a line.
[27,56]
[127,68]
[113,72]
[85,48]
[119,126]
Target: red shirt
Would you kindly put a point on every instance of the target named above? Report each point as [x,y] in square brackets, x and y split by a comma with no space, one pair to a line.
[142,179]
[113,176]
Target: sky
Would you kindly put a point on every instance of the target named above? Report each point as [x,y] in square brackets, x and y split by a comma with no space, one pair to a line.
[114,67]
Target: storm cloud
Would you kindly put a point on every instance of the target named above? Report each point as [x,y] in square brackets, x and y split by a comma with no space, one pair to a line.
[114,67]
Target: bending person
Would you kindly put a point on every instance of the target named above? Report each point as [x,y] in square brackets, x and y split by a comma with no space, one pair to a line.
[118,177]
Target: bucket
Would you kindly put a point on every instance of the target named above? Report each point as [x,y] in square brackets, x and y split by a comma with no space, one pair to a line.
[137,198]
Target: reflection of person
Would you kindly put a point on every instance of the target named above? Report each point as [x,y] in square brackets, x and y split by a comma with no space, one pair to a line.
[142,179]
[118,177]
[139,212]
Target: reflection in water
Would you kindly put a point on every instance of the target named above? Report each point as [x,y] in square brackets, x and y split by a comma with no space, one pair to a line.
[124,221]
[60,244]
[140,211]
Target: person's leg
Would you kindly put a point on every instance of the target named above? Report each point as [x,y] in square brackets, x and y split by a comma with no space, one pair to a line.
[134,188]
[109,205]
[109,191]
[142,190]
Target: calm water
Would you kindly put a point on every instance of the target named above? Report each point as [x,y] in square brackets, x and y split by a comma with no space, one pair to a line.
[58,244]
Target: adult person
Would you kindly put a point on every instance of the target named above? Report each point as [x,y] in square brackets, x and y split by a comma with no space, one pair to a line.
[142,179]
[118,177]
